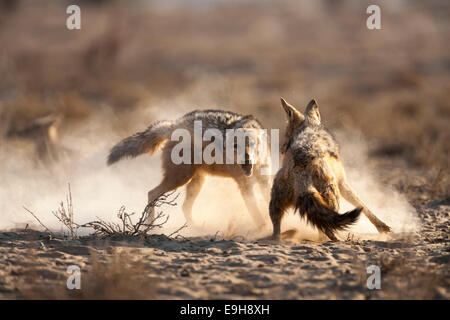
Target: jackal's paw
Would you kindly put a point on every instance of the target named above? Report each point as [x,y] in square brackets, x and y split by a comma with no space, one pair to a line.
[383,228]
[270,239]
[276,238]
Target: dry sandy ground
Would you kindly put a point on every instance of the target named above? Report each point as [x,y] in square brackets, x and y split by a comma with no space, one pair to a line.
[416,266]
[391,86]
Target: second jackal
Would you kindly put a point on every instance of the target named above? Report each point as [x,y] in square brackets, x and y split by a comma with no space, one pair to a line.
[312,177]
[246,175]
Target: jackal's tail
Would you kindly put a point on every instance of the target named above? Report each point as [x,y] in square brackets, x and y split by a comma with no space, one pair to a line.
[311,206]
[142,142]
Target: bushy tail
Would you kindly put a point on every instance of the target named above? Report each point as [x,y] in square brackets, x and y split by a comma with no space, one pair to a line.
[142,142]
[325,219]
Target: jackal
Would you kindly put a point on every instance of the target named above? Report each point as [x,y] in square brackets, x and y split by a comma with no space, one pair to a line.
[43,131]
[312,177]
[246,175]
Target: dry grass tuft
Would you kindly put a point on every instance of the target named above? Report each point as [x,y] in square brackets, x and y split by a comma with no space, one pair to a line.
[147,221]
[142,226]
[66,216]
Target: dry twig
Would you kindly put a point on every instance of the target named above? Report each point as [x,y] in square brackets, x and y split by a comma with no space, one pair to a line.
[29,211]
[147,221]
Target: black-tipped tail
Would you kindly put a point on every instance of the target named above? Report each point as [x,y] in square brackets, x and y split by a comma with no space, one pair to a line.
[324,218]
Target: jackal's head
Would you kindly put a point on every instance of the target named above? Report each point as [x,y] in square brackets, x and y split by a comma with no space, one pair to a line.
[245,148]
[296,119]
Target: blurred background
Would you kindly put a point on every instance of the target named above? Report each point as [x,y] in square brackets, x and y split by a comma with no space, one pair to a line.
[65,92]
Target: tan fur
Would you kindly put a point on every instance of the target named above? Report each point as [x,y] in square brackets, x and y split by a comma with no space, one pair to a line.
[193,175]
[312,178]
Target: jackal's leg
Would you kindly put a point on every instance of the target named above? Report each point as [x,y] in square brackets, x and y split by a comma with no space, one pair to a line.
[350,195]
[281,195]
[172,180]
[264,185]
[192,190]
[246,187]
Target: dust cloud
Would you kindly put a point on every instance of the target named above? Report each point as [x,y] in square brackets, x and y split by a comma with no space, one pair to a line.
[382,199]
[99,190]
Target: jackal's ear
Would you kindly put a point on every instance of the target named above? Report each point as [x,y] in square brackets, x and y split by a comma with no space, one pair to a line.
[312,112]
[292,113]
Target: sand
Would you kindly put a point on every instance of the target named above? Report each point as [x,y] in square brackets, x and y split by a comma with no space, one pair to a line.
[414,265]
[390,100]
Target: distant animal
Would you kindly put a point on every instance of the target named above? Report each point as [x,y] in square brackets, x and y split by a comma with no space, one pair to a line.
[312,178]
[246,175]
[43,131]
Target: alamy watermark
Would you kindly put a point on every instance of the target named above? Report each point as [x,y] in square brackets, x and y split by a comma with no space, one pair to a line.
[73,21]
[374,278]
[231,146]
[373,22]
[74,278]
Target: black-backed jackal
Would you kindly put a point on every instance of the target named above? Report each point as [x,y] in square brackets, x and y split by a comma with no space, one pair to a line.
[312,177]
[43,132]
[246,175]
